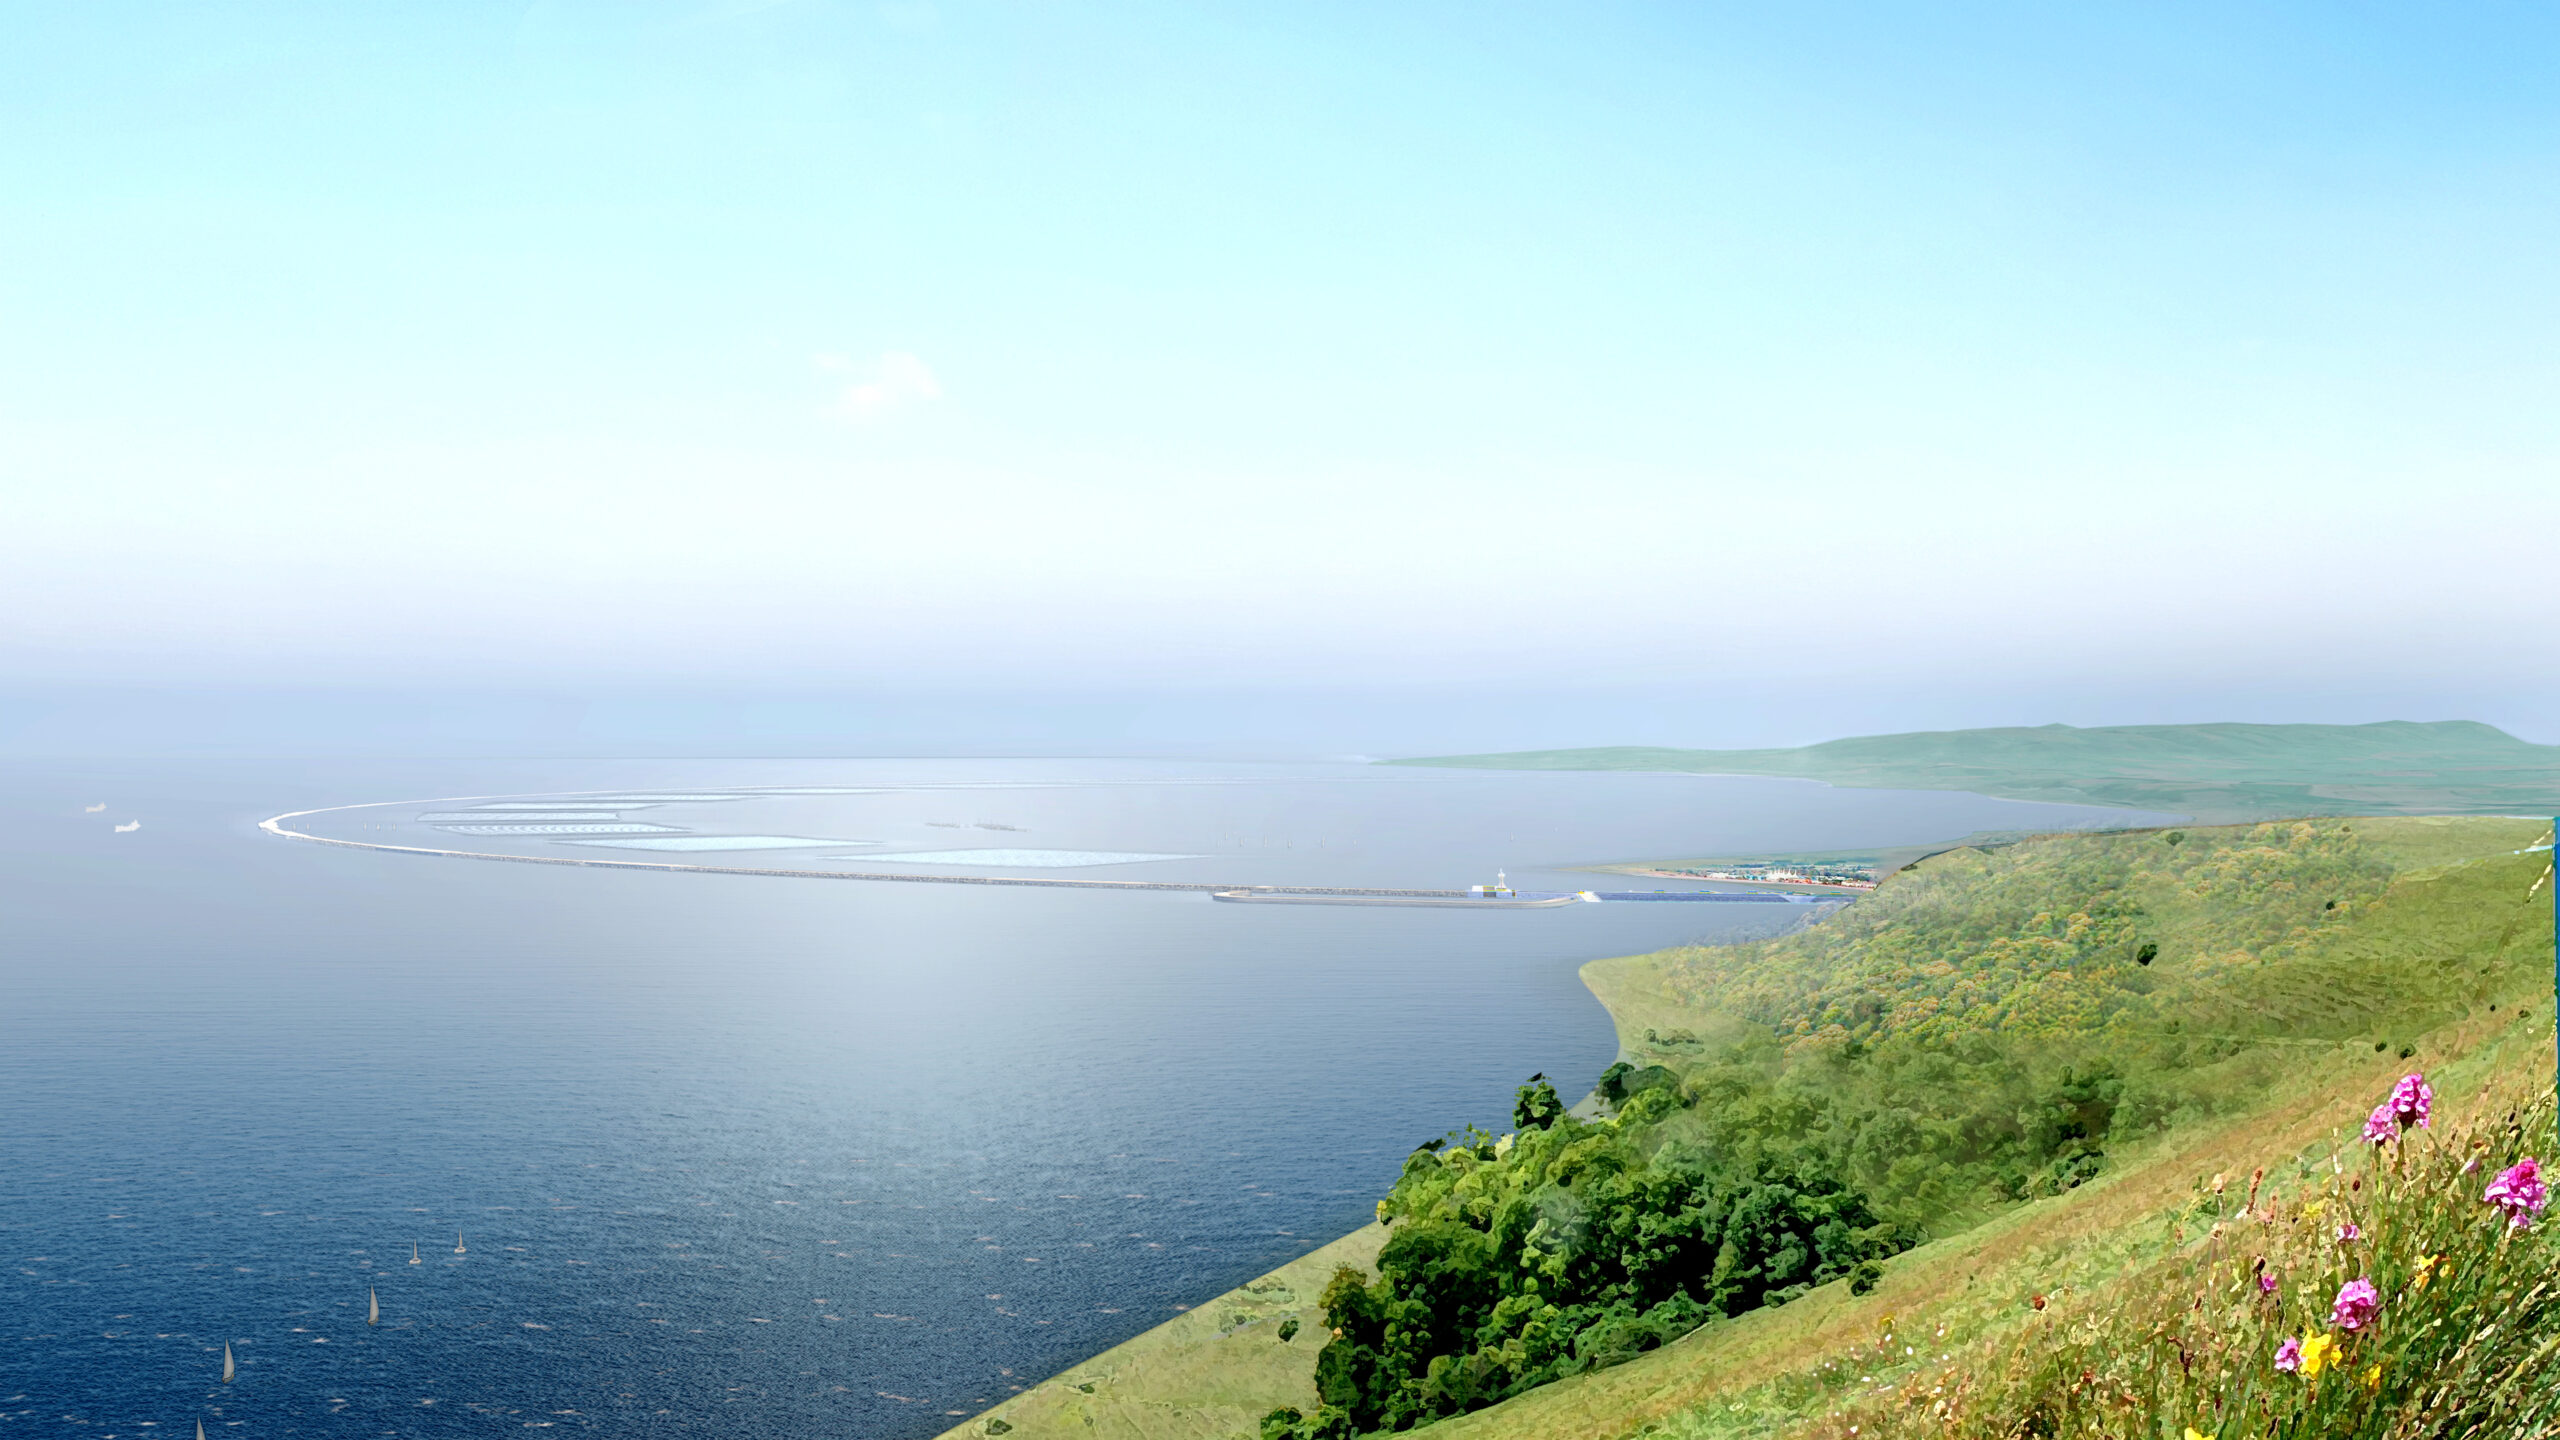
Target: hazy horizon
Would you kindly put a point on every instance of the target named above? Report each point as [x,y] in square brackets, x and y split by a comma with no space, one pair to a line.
[1219,725]
[504,377]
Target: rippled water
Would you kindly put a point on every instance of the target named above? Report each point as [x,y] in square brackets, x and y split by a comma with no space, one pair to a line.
[746,1156]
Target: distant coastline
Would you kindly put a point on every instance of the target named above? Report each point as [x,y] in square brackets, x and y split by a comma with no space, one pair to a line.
[2213,774]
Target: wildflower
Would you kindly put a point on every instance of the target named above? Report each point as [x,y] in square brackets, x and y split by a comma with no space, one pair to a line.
[2289,1355]
[2349,1231]
[2378,1126]
[2518,1192]
[2318,1354]
[2411,1101]
[2471,1164]
[2372,1376]
[2195,1434]
[2424,1272]
[2266,1283]
[2355,1306]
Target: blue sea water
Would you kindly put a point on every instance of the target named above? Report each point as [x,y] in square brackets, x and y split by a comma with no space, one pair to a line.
[743,1156]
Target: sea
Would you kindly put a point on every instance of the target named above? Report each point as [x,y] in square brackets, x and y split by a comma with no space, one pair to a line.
[646,1152]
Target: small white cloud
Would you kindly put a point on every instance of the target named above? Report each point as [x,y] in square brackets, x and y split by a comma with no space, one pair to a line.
[896,381]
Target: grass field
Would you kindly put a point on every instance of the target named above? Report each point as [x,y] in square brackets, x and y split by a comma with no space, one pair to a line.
[2293,966]
[1214,1370]
[2215,773]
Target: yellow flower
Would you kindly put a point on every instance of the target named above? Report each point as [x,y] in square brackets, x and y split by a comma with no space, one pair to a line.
[2373,1376]
[2318,1354]
[2195,1434]
[2426,1271]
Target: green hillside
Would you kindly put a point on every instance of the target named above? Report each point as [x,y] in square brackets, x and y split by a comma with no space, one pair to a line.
[2026,1059]
[2215,773]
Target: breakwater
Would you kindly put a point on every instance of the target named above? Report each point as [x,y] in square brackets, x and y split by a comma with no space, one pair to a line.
[1221,890]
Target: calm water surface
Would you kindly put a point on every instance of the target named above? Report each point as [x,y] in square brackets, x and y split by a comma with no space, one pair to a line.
[723,1155]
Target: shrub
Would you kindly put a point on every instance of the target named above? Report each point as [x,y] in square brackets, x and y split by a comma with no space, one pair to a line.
[1568,1247]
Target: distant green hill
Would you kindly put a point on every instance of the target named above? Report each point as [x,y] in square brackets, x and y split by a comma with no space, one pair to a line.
[2216,773]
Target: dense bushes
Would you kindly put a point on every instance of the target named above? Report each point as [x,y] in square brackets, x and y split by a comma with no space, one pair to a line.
[1622,1080]
[1570,1246]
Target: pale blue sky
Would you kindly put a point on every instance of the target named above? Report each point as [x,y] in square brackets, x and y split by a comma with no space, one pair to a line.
[1992,364]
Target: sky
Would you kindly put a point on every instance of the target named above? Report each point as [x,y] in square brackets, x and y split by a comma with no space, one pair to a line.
[1352,378]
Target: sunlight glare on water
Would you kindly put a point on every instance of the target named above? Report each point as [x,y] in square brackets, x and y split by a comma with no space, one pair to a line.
[744,1155]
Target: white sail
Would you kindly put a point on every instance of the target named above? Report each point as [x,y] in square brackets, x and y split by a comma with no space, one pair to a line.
[413,1254]
[226,1362]
[457,1243]
[373,1307]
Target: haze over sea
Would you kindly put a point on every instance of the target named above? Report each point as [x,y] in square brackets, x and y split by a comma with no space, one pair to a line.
[745,1156]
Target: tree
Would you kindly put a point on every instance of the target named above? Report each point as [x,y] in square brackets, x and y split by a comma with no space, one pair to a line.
[1573,1245]
[1538,1106]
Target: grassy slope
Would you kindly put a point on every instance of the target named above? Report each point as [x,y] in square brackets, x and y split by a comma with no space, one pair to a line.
[1764,1374]
[2451,937]
[2213,772]
[2446,938]
[1215,1370]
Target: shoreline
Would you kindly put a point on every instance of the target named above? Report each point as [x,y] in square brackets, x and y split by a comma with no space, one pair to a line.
[1222,1358]
[1075,1402]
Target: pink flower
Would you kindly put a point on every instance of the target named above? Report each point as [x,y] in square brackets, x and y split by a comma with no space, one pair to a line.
[2379,1126]
[2289,1356]
[2411,1101]
[2349,1231]
[2518,1192]
[2355,1306]
[2471,1164]
[2266,1283]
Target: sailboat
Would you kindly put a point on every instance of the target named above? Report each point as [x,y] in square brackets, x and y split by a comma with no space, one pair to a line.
[373,1307]
[413,1254]
[457,1242]
[226,1364]
[199,1430]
